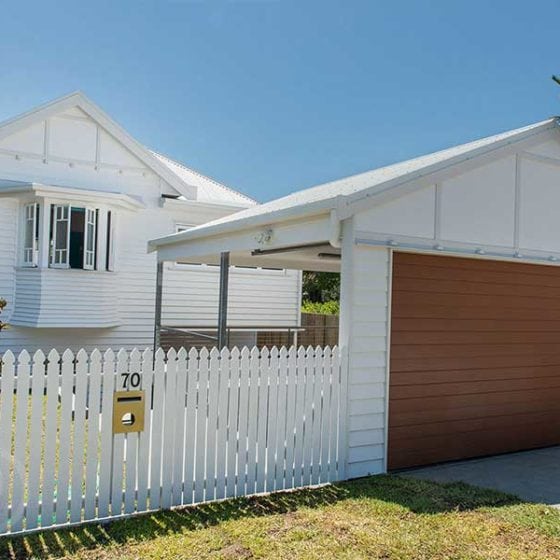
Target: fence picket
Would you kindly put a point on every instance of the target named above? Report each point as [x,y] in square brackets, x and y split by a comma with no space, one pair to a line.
[118,447]
[281,420]
[106,439]
[35,443]
[243,420]
[325,414]
[6,419]
[179,435]
[157,429]
[221,435]
[253,420]
[131,460]
[201,421]
[290,416]
[262,419]
[217,424]
[92,447]
[233,423]
[145,436]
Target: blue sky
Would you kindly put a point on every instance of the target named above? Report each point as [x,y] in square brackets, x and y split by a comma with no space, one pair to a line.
[271,96]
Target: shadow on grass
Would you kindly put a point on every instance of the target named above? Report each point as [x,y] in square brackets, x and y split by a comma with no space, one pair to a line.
[418,496]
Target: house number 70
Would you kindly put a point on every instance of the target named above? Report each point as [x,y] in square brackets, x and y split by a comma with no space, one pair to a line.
[131,380]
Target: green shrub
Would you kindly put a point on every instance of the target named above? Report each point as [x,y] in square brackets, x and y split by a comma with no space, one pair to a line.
[327,308]
[3,304]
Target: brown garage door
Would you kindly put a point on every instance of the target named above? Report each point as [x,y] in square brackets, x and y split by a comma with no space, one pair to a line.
[475,358]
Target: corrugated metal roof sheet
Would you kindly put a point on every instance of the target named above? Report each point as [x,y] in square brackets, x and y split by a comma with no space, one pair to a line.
[324,196]
[208,190]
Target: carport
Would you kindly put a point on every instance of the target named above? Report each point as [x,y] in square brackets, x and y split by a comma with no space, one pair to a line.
[450,291]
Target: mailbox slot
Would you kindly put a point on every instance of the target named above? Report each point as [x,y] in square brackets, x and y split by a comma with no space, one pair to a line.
[128,411]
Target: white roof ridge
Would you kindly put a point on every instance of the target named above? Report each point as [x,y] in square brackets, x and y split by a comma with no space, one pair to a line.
[203,176]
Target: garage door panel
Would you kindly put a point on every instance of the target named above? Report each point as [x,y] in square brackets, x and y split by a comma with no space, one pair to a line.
[408,436]
[446,363]
[414,351]
[445,287]
[506,278]
[470,339]
[446,416]
[501,386]
[499,441]
[458,376]
[475,358]
[476,325]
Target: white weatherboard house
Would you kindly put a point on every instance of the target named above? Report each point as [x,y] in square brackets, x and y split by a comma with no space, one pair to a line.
[79,199]
[450,303]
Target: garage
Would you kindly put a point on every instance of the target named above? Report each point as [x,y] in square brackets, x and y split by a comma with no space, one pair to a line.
[475,358]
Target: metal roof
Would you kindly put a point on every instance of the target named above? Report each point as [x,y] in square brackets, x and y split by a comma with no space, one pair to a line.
[332,195]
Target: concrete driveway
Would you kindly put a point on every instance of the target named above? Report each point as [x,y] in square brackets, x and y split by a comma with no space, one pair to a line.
[532,475]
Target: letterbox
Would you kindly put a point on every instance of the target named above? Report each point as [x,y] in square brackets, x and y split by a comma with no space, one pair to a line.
[128,411]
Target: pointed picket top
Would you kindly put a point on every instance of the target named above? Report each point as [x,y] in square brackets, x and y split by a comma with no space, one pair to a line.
[8,358]
[109,355]
[135,354]
[160,355]
[215,353]
[82,355]
[53,356]
[327,349]
[255,353]
[204,353]
[224,354]
[67,355]
[274,352]
[292,351]
[235,353]
[245,353]
[301,352]
[95,356]
[122,355]
[265,353]
[171,355]
[283,353]
[193,354]
[148,357]
[24,357]
[182,354]
[39,357]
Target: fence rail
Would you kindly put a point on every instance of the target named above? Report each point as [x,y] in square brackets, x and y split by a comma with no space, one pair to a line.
[216,425]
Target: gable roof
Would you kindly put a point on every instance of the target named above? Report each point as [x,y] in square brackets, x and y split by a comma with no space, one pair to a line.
[189,183]
[208,190]
[351,190]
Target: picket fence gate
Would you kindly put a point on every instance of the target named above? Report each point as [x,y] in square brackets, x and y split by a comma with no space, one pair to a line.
[217,425]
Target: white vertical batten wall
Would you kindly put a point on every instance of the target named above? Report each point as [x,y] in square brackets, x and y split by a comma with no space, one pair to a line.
[364,327]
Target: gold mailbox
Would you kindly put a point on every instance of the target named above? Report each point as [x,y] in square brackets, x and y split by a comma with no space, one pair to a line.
[128,411]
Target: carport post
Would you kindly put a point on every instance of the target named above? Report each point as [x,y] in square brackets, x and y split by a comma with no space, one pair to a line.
[159,294]
[222,311]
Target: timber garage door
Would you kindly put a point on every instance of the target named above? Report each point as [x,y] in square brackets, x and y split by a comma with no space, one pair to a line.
[475,358]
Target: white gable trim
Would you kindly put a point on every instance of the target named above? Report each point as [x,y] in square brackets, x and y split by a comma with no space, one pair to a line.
[408,183]
[78,99]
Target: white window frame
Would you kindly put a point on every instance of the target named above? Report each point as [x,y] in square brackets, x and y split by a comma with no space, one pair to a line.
[90,230]
[60,213]
[30,247]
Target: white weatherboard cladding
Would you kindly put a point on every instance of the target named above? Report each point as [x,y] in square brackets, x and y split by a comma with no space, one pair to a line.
[365,282]
[79,308]
[411,215]
[539,226]
[479,206]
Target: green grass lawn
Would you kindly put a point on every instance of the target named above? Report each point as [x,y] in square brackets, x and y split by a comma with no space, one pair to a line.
[387,517]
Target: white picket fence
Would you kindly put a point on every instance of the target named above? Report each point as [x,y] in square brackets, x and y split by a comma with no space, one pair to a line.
[217,425]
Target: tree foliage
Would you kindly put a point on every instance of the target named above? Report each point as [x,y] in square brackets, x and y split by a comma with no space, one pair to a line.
[3,304]
[319,287]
